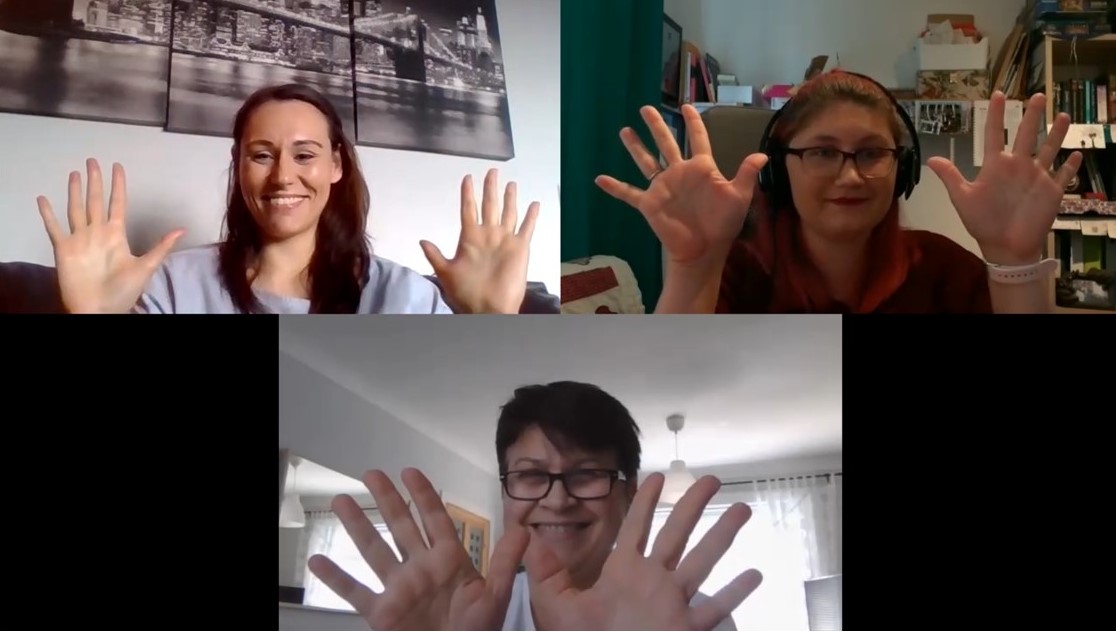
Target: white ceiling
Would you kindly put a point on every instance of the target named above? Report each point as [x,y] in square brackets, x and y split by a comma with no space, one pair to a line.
[752,388]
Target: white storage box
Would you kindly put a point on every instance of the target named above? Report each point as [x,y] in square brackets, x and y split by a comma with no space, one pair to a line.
[953,56]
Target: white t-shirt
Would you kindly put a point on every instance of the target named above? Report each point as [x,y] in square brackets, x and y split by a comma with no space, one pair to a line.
[519,608]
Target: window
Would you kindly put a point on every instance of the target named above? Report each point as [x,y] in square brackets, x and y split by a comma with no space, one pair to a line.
[327,536]
[780,601]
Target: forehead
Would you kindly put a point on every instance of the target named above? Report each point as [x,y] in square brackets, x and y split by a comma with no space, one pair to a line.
[848,123]
[286,121]
[533,447]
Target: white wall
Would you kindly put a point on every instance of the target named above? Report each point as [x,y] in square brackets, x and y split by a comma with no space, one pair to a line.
[333,427]
[180,181]
[772,42]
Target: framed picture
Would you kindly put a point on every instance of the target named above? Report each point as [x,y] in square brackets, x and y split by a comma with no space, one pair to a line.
[473,531]
[672,55]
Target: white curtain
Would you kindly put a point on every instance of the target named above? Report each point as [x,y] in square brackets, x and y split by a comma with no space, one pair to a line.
[325,535]
[794,534]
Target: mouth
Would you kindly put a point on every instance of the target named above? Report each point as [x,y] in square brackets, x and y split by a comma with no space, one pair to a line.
[284,202]
[558,531]
[848,201]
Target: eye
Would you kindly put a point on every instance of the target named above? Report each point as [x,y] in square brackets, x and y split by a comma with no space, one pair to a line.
[825,153]
[304,157]
[875,153]
[260,156]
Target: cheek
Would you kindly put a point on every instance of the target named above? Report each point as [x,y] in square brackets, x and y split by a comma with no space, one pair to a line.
[252,177]
[515,511]
[806,191]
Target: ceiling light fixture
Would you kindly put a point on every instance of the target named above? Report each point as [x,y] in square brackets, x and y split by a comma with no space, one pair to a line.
[678,478]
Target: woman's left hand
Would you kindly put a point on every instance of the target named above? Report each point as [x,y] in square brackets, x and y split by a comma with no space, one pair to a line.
[488,274]
[1011,206]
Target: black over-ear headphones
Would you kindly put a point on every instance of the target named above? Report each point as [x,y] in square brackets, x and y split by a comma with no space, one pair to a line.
[775,183]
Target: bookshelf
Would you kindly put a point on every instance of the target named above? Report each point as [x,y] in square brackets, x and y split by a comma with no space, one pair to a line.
[1068,69]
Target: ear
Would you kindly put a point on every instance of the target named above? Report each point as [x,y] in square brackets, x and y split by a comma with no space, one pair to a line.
[338,170]
[631,488]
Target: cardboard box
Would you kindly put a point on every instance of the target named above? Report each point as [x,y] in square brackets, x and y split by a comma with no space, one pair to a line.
[962,85]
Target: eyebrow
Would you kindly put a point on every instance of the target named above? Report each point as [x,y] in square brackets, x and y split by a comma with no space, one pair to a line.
[827,138]
[297,143]
[538,462]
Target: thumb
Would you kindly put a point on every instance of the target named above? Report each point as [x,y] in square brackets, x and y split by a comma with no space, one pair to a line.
[434,256]
[504,563]
[747,174]
[545,569]
[154,257]
[950,176]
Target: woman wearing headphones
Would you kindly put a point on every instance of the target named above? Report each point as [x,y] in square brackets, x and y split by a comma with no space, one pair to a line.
[824,234]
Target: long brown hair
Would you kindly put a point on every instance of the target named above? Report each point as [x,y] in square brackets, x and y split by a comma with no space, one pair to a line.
[338,268]
[775,235]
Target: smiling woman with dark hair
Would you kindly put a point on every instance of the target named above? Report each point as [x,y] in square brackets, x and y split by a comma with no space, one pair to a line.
[295,238]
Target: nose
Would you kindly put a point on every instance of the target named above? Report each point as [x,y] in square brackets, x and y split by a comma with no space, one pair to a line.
[283,169]
[557,498]
[849,175]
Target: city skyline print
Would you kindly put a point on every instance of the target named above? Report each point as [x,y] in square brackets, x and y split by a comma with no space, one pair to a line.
[224,50]
[421,75]
[86,59]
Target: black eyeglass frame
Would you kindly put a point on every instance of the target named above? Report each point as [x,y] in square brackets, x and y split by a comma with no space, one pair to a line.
[614,476]
[896,154]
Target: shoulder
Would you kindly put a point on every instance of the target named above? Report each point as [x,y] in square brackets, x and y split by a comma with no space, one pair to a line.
[396,289]
[746,285]
[187,281]
[955,279]
[726,624]
[942,252]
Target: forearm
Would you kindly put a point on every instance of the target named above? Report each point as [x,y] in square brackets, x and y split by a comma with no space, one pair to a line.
[1022,298]
[690,290]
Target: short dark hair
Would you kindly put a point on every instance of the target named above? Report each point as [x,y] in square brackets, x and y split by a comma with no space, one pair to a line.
[571,414]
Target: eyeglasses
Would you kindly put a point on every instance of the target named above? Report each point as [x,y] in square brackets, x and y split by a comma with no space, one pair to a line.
[580,484]
[827,162]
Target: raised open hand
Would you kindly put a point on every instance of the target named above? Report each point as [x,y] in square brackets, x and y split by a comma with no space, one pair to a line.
[1010,207]
[695,212]
[97,273]
[635,592]
[488,274]
[435,586]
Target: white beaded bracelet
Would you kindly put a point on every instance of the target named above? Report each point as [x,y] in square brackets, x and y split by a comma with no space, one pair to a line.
[1017,275]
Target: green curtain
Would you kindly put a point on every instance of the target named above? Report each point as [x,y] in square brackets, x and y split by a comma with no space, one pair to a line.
[611,59]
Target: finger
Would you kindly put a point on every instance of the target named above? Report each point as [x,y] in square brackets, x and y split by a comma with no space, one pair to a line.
[396,514]
[489,215]
[695,132]
[1026,138]
[950,176]
[154,257]
[661,132]
[75,204]
[118,194]
[505,561]
[696,566]
[468,203]
[1053,143]
[50,222]
[545,570]
[437,260]
[637,524]
[510,219]
[95,192]
[719,607]
[644,161]
[432,511]
[527,230]
[671,541]
[748,174]
[1068,169]
[622,191]
[994,127]
[359,596]
[371,545]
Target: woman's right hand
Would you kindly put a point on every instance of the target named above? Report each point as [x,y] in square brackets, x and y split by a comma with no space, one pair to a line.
[695,212]
[435,586]
[97,273]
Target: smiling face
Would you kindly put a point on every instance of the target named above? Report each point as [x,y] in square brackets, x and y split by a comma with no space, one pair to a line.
[581,533]
[845,205]
[287,165]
